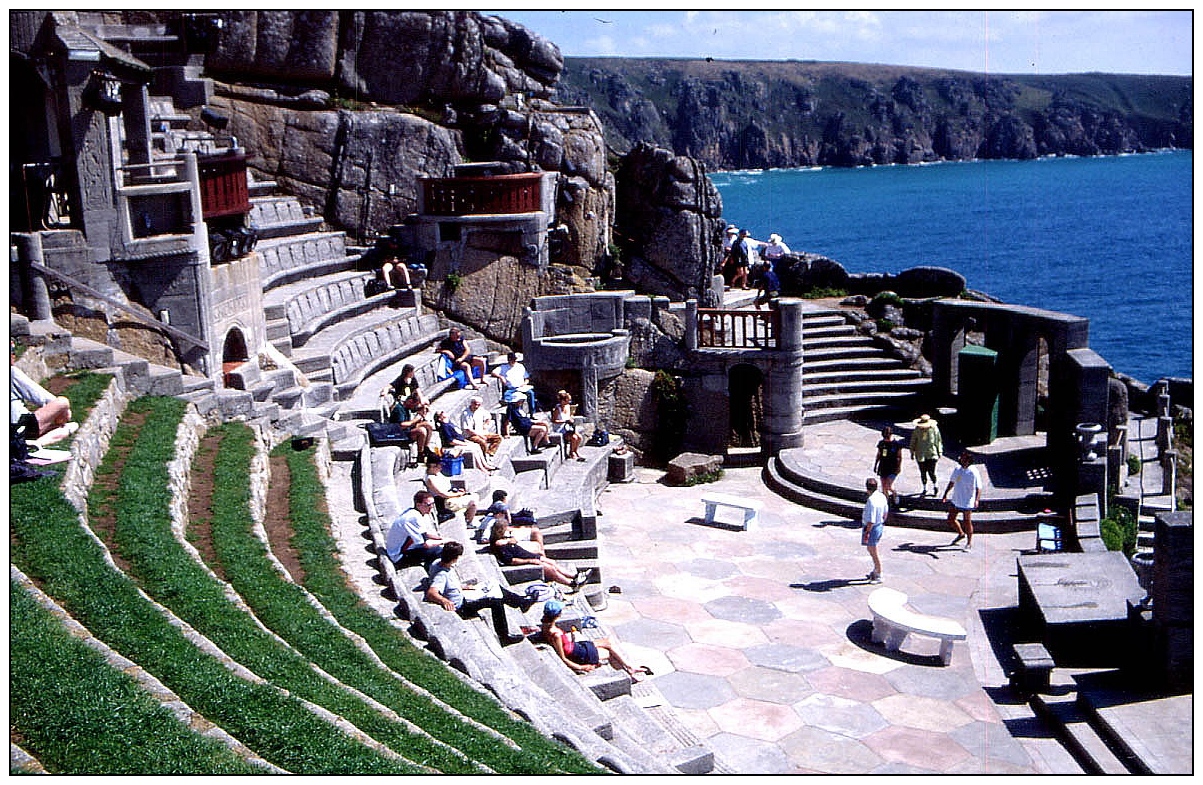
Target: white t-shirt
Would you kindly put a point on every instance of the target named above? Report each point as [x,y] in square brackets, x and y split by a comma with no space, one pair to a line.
[966,482]
[410,527]
[479,421]
[876,509]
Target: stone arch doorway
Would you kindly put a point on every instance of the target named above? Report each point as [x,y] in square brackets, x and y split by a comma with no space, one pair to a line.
[233,354]
[745,393]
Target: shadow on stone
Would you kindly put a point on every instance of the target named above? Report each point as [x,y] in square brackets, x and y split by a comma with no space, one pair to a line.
[828,585]
[731,527]
[860,632]
[843,523]
[933,551]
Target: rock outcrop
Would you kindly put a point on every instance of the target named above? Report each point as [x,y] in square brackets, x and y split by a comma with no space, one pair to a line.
[668,224]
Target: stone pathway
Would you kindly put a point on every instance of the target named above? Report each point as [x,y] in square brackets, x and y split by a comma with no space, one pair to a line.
[760,640]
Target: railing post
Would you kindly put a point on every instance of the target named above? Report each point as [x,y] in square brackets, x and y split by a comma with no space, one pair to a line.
[200,232]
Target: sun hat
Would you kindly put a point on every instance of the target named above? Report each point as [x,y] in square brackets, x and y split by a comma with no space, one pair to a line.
[732,229]
[552,608]
[774,238]
[924,421]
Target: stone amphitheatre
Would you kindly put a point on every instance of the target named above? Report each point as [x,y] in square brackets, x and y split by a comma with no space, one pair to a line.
[202,204]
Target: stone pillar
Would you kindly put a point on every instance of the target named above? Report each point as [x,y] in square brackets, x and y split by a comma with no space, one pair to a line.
[1173,600]
[34,290]
[691,325]
[1169,469]
[783,409]
[589,393]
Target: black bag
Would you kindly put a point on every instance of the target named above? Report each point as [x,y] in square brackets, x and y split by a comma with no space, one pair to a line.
[524,517]
[374,287]
[383,434]
[600,438]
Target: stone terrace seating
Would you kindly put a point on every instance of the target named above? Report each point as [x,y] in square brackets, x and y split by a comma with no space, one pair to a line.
[346,352]
[286,259]
[468,644]
[274,216]
[311,305]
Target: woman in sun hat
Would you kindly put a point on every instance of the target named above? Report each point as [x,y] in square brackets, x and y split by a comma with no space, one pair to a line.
[727,267]
[582,655]
[926,448]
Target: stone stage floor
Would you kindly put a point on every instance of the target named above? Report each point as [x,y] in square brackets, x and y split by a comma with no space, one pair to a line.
[760,639]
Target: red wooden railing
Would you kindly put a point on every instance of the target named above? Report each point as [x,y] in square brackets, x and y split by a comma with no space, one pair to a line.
[738,329]
[502,194]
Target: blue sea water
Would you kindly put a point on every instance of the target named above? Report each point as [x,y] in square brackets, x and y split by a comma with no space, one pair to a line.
[1107,238]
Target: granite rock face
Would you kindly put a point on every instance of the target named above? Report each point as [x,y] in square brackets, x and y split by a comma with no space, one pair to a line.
[669,224]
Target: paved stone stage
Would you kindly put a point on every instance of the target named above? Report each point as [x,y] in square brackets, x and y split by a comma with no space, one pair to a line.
[1077,604]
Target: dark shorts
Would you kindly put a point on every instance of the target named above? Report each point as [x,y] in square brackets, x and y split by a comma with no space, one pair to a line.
[513,550]
[584,653]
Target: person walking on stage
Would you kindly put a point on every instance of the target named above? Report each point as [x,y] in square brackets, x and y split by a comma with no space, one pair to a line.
[888,462]
[965,485]
[926,448]
[873,519]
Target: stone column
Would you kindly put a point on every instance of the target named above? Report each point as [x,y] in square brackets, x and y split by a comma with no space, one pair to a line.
[35,291]
[1173,600]
[691,325]
[783,409]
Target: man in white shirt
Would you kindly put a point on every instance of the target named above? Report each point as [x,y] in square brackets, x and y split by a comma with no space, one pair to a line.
[965,485]
[444,589]
[515,381]
[873,518]
[413,538]
[477,425]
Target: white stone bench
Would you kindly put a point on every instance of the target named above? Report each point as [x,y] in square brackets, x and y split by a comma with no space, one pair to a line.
[893,621]
[750,508]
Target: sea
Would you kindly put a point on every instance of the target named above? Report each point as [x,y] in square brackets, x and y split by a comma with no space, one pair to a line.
[1108,238]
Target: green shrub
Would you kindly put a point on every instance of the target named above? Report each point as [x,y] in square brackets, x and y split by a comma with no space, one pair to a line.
[452,281]
[820,292]
[1133,465]
[885,325]
[705,477]
[1118,530]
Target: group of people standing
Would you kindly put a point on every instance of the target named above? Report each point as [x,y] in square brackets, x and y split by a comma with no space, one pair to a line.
[750,261]
[963,493]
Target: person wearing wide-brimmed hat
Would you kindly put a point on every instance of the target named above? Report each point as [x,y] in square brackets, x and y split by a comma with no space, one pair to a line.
[926,448]
[774,249]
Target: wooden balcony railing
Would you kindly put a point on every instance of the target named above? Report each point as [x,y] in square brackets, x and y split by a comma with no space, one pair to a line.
[738,329]
[503,194]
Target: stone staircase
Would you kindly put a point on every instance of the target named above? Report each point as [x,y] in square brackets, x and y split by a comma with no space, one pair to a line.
[845,374]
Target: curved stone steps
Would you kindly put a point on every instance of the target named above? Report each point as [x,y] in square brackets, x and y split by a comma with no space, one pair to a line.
[793,475]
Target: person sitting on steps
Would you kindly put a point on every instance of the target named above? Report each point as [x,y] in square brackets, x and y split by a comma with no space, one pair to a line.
[506,546]
[445,590]
[582,655]
[454,500]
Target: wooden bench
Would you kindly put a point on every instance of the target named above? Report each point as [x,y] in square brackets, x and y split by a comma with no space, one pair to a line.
[749,508]
[893,621]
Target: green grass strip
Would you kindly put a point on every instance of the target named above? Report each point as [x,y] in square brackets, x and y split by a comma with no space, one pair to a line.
[78,715]
[283,607]
[325,579]
[49,545]
[168,573]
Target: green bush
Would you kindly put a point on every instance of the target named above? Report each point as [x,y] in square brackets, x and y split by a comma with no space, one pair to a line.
[1133,465]
[452,281]
[820,292]
[699,479]
[1118,530]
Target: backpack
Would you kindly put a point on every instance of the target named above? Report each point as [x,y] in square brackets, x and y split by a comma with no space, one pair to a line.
[600,438]
[540,592]
[524,517]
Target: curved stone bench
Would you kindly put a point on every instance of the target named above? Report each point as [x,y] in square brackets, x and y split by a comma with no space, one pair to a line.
[283,260]
[893,622]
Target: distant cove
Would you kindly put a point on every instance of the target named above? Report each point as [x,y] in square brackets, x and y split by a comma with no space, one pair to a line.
[1108,238]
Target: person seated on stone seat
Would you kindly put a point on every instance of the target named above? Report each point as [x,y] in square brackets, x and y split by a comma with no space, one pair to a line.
[417,421]
[582,655]
[563,420]
[536,430]
[406,385]
[51,413]
[768,285]
[455,501]
[455,349]
[454,437]
[515,381]
[507,545]
[477,425]
[444,589]
[413,537]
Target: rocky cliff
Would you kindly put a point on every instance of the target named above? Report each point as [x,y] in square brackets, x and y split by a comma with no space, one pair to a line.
[739,115]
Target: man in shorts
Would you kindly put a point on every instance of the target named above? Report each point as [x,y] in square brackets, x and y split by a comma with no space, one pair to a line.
[965,485]
[873,519]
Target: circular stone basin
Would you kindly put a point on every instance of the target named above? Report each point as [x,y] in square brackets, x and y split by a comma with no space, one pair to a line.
[582,350]
[575,338]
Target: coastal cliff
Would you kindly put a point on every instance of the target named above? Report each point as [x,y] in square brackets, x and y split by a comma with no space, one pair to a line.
[749,115]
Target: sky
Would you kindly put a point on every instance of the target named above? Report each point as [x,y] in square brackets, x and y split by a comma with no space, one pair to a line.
[989,41]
